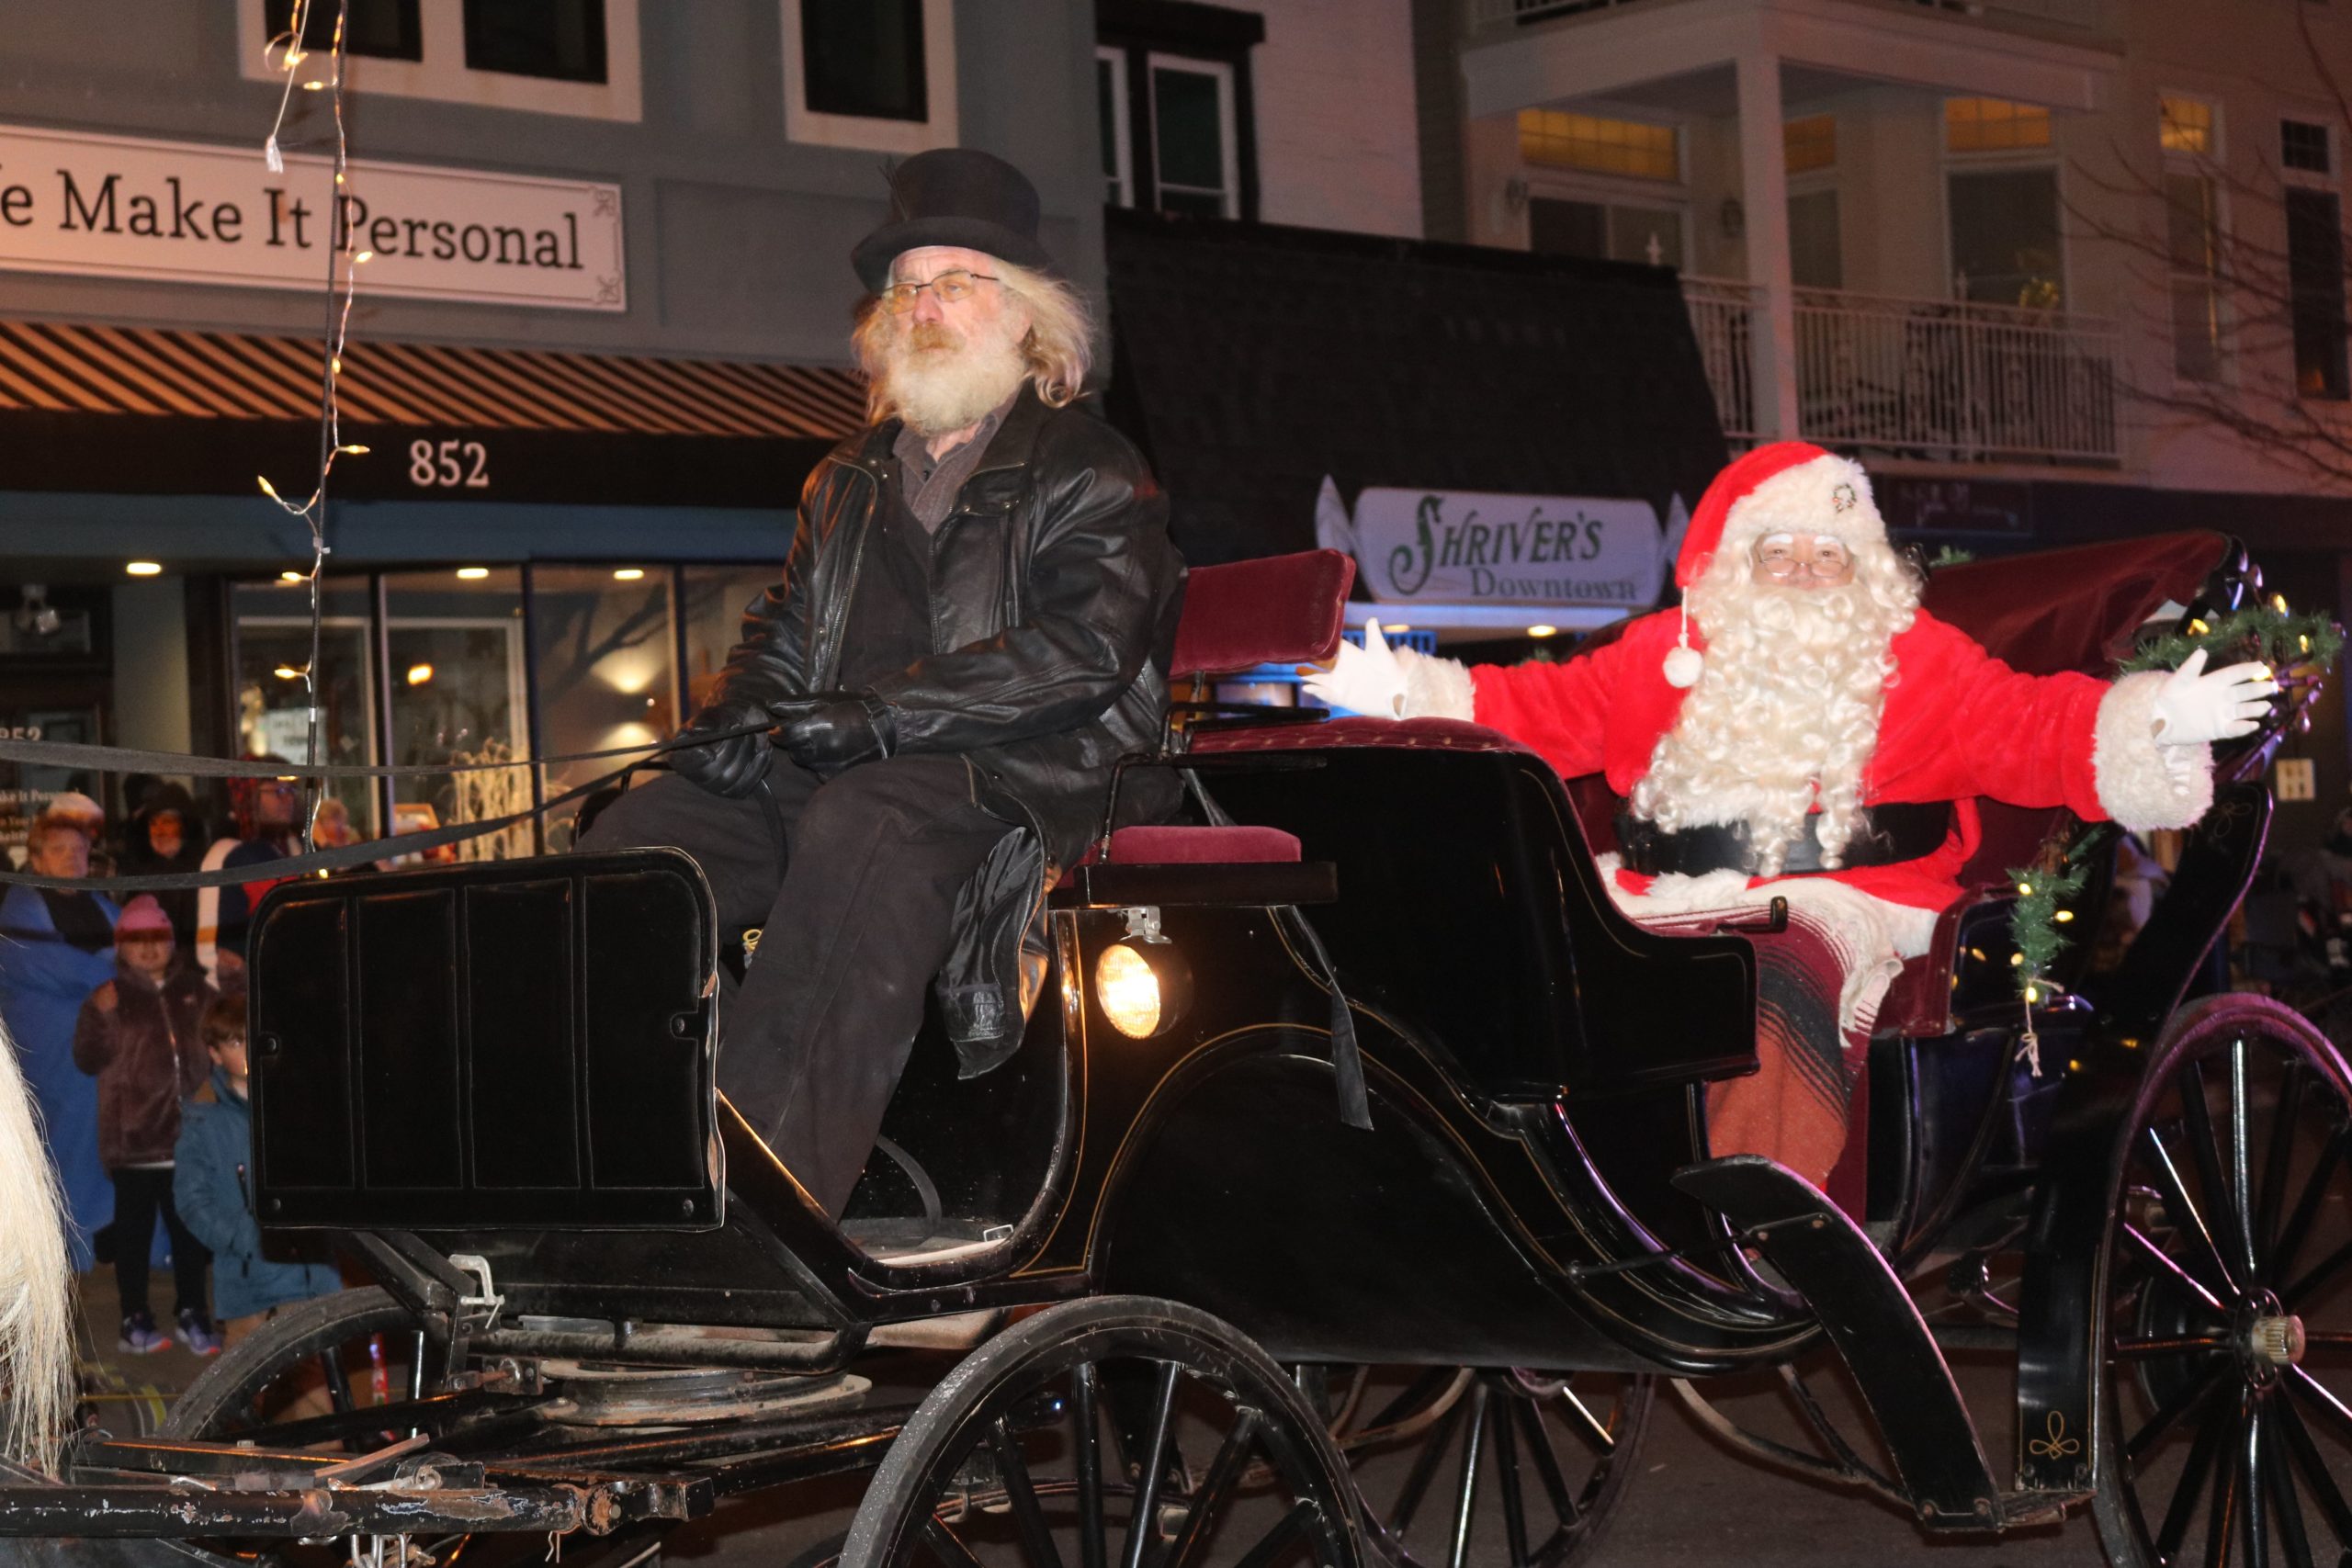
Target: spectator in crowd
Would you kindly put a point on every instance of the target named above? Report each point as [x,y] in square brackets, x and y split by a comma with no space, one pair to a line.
[216,1194]
[56,946]
[74,806]
[268,815]
[138,1034]
[164,838]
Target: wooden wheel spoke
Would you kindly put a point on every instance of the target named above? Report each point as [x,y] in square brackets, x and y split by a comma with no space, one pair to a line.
[2165,1263]
[2192,1394]
[2221,1519]
[2220,1223]
[1547,1463]
[1143,1524]
[1587,1425]
[2186,1219]
[1419,1391]
[1037,1537]
[2189,1488]
[2277,1160]
[1425,1463]
[2285,1505]
[2320,1274]
[2313,1464]
[1086,1463]
[2255,1503]
[1274,1541]
[2242,1216]
[1465,1499]
[2307,1206]
[2315,1339]
[2180,1345]
[2299,1380]
[947,1546]
[1507,1476]
[1224,1474]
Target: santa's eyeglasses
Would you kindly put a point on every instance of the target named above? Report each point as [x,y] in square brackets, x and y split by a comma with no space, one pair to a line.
[1779,556]
[949,286]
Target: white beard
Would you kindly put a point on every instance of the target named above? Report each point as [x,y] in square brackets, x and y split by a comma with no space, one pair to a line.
[941,389]
[1784,716]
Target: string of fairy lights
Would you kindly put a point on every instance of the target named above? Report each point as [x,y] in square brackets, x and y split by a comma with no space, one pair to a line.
[344,262]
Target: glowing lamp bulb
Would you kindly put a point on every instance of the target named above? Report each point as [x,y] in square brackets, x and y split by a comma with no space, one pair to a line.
[2033,993]
[1543,631]
[287,672]
[473,573]
[2025,889]
[143,567]
[627,573]
[1142,987]
[418,674]
[289,577]
[2062,916]
[2016,959]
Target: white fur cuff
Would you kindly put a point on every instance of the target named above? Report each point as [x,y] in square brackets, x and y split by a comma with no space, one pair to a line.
[2141,784]
[1436,688]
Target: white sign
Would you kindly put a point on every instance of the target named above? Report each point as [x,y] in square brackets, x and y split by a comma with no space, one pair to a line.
[1471,547]
[116,206]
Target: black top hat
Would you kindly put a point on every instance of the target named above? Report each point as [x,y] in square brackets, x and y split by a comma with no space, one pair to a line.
[954,195]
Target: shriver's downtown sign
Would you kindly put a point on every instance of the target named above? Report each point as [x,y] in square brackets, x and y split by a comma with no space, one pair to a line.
[111,205]
[1471,547]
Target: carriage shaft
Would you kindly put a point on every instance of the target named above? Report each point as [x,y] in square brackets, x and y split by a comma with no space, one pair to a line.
[164,1512]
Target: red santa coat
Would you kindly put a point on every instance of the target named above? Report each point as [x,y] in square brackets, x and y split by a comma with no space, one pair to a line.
[1957,724]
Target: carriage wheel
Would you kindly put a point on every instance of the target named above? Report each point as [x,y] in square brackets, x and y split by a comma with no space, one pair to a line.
[1531,1467]
[2226,1397]
[1117,1423]
[301,1363]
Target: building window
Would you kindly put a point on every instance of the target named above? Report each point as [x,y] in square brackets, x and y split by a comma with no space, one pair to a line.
[870,73]
[865,57]
[2193,248]
[381,30]
[560,39]
[1111,104]
[1173,96]
[1568,141]
[558,57]
[1605,230]
[1994,125]
[1810,144]
[2185,125]
[2303,146]
[2005,246]
[2315,284]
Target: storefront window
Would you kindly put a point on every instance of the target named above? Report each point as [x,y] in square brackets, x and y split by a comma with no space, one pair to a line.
[604,649]
[716,597]
[454,663]
[273,650]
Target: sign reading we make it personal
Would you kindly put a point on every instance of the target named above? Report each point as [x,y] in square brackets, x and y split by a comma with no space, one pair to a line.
[184,212]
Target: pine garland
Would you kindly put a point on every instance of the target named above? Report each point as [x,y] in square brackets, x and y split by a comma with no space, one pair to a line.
[2267,632]
[2039,912]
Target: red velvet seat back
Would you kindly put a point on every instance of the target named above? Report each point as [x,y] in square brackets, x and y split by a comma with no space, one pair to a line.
[2072,609]
[1275,610]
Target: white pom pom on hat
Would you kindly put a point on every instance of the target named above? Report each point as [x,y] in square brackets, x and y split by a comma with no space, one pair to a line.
[1781,487]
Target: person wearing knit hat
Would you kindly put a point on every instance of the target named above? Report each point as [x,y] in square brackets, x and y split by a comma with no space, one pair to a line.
[1799,728]
[138,1035]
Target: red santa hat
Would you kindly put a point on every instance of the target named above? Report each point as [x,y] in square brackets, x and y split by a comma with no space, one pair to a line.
[1783,487]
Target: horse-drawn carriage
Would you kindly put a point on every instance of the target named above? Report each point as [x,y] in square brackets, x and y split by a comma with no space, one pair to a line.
[1187,1300]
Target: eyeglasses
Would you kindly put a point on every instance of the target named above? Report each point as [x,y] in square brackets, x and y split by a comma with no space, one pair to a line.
[1826,558]
[951,287]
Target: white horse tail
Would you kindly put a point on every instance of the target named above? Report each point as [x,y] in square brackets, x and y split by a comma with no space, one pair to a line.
[36,1286]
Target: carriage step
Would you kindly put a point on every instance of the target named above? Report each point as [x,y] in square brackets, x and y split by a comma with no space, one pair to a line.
[1875,1325]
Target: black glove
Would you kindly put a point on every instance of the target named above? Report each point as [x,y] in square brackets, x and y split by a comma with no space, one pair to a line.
[731,768]
[833,730]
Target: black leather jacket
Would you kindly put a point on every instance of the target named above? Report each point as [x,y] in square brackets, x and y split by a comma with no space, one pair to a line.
[1055,592]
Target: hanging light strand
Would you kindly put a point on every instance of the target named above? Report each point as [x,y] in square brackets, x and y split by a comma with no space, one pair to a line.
[344,261]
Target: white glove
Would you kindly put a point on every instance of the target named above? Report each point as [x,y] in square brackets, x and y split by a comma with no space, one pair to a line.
[1367,680]
[2194,708]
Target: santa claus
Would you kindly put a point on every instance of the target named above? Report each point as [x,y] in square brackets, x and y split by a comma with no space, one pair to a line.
[1800,728]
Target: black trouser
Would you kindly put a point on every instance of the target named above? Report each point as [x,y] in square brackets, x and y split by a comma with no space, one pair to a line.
[857,911]
[138,1193]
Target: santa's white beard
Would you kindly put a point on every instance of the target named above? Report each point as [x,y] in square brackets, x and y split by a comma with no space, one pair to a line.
[1785,715]
[942,381]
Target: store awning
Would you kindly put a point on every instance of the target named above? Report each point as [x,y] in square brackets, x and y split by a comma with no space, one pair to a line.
[1254,360]
[204,412]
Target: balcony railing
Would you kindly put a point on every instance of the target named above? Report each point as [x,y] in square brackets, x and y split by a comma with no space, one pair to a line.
[1945,381]
[1490,14]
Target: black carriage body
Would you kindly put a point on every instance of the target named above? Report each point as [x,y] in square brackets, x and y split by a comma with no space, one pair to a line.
[542,1032]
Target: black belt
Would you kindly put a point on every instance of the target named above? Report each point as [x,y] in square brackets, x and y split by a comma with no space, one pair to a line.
[1883,834]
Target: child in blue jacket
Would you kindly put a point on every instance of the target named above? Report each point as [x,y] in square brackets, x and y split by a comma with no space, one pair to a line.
[213,1188]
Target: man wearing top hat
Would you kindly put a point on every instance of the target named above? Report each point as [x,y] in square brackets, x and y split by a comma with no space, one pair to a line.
[973,625]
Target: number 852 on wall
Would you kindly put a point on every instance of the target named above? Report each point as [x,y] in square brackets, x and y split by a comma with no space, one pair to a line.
[454,464]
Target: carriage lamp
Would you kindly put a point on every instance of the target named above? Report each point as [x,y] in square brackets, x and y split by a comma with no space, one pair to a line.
[1142,983]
